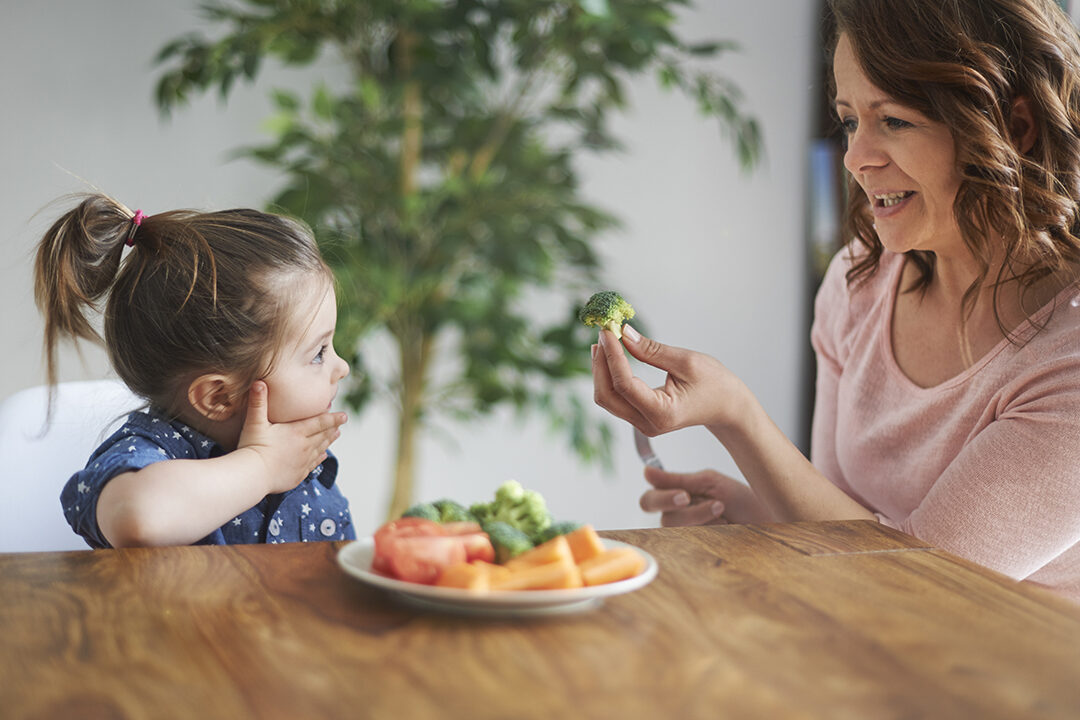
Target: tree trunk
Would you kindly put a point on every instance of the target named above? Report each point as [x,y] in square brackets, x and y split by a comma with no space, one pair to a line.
[412,114]
[415,356]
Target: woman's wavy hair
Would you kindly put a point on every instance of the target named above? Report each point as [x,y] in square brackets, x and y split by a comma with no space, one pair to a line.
[198,292]
[964,63]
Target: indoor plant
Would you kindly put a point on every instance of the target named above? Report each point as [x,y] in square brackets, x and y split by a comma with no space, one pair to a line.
[438,176]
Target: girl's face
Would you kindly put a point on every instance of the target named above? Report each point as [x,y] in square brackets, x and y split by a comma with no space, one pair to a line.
[305,376]
[904,162]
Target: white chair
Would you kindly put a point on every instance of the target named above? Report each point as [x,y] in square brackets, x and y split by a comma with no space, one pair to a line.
[36,461]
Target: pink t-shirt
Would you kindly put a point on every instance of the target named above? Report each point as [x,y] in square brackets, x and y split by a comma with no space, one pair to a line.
[985,465]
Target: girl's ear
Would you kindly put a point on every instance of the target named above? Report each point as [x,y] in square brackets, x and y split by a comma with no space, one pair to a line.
[1022,125]
[214,396]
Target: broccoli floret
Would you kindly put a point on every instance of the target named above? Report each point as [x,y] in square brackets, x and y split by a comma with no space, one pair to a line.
[517,507]
[507,540]
[428,511]
[606,309]
[452,511]
[556,529]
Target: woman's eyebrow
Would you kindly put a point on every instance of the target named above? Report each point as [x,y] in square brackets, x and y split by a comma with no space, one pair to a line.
[872,106]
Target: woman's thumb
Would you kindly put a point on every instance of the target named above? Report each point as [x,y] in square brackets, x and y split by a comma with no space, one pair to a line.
[644,349]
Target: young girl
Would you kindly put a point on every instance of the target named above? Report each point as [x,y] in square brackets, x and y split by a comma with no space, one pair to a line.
[223,322]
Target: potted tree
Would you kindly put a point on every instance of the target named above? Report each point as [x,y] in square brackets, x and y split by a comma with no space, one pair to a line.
[439,179]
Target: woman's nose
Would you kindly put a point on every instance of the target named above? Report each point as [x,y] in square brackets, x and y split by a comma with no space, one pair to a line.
[863,152]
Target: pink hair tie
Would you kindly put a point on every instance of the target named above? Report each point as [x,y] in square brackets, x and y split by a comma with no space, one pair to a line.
[136,221]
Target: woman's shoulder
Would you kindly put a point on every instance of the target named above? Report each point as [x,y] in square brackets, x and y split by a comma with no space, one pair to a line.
[865,286]
[842,305]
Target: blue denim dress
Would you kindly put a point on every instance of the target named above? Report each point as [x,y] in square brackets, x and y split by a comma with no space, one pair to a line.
[313,510]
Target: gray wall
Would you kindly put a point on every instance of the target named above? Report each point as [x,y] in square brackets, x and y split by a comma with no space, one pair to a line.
[714,258]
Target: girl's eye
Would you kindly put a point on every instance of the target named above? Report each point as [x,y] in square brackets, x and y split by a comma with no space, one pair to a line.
[319,358]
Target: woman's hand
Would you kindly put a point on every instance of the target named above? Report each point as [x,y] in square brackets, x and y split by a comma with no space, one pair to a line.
[698,389]
[289,451]
[701,498]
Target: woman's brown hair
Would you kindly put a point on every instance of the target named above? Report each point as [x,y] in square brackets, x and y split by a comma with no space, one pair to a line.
[198,292]
[964,63]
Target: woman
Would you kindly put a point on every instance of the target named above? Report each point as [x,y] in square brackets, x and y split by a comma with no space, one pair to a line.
[948,390]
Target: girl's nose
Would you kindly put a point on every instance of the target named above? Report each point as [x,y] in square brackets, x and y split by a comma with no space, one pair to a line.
[342,369]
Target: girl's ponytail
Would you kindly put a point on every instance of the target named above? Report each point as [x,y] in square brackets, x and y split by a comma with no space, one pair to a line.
[76,264]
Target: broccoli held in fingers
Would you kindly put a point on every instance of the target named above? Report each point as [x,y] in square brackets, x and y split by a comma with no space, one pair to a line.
[607,309]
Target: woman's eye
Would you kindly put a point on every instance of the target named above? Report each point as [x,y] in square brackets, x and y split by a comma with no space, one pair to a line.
[896,123]
[848,125]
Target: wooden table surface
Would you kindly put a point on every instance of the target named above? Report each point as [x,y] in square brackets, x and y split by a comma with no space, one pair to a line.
[809,620]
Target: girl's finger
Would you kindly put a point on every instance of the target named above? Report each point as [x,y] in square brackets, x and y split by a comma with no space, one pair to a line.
[256,409]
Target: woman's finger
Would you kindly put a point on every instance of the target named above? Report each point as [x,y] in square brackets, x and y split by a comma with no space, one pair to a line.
[604,393]
[705,483]
[664,500]
[695,514]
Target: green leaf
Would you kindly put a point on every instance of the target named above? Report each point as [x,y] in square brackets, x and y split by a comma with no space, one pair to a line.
[285,100]
[322,103]
[278,123]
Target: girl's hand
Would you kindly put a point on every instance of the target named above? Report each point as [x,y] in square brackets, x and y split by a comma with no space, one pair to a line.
[698,390]
[289,451]
[701,498]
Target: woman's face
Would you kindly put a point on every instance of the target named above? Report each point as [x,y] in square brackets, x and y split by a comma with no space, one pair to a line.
[904,162]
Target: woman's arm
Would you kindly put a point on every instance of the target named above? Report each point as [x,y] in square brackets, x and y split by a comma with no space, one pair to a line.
[699,390]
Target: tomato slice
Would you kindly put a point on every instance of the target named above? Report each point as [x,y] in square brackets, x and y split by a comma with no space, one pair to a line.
[477,546]
[421,559]
[400,528]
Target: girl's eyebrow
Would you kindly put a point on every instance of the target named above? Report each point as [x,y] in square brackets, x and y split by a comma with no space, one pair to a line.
[321,340]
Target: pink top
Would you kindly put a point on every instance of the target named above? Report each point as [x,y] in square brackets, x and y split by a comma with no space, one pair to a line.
[985,465]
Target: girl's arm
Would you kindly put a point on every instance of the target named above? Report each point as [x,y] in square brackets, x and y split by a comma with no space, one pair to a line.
[178,502]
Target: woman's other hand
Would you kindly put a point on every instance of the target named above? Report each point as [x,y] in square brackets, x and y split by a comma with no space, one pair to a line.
[706,497]
[698,389]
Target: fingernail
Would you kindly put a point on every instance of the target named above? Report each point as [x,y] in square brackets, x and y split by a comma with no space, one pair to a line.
[595,347]
[717,509]
[630,333]
[600,339]
[681,499]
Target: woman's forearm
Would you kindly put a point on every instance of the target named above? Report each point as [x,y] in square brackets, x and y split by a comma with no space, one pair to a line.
[178,502]
[780,475]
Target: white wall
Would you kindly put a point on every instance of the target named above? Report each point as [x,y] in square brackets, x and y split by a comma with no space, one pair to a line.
[712,257]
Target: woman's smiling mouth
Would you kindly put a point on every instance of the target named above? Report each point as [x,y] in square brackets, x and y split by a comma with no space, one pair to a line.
[890,202]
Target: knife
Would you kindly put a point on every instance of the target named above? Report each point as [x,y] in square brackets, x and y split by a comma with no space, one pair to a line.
[645,450]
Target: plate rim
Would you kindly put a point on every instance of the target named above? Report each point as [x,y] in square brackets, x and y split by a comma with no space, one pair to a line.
[360,569]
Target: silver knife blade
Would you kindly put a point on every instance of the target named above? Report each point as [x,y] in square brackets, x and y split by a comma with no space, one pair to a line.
[645,450]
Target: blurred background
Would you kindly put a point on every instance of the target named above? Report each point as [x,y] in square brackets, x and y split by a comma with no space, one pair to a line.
[713,258]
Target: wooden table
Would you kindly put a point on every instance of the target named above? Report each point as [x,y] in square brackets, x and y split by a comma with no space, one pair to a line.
[811,620]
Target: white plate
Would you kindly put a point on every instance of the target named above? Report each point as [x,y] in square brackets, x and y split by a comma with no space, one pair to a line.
[355,559]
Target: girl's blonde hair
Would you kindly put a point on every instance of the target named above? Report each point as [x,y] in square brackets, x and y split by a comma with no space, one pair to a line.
[965,63]
[197,293]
